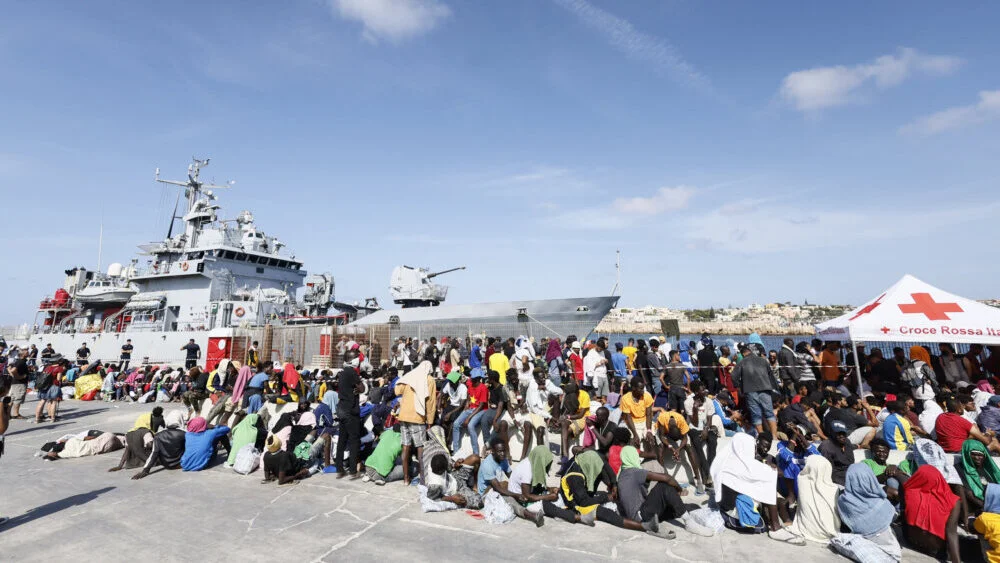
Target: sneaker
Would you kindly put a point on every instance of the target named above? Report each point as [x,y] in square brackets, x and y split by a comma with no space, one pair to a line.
[786,536]
[313,470]
[697,529]
[699,489]
[589,518]
[366,478]
[379,482]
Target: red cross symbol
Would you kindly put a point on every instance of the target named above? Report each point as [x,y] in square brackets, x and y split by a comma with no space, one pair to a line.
[886,330]
[934,311]
[868,308]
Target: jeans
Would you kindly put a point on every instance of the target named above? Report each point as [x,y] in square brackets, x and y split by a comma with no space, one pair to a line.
[704,456]
[761,407]
[657,386]
[484,422]
[456,432]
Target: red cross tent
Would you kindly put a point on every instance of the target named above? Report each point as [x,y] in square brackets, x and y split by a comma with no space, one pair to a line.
[914,311]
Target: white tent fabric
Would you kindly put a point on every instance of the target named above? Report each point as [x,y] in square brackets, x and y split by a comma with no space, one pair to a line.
[914,311]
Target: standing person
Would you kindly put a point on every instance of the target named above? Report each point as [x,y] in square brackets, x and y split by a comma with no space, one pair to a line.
[49,393]
[33,356]
[253,358]
[973,364]
[620,363]
[5,406]
[631,352]
[82,355]
[675,375]
[126,355]
[575,362]
[554,361]
[754,379]
[193,354]
[417,409]
[788,370]
[48,353]
[476,355]
[18,371]
[708,367]
[829,364]
[595,369]
[349,415]
[805,363]
[654,367]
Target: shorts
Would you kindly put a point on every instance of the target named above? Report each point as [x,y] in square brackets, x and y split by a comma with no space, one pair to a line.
[54,393]
[536,420]
[576,426]
[413,434]
[601,387]
[18,392]
[761,407]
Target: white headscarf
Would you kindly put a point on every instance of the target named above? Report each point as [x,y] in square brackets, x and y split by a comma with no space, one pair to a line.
[737,468]
[817,519]
[175,419]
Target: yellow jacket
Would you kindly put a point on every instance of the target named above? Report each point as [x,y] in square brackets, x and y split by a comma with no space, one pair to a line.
[407,412]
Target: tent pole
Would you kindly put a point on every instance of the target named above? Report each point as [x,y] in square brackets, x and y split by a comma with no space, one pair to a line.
[857,366]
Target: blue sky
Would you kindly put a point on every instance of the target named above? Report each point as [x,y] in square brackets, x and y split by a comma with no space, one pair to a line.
[734,152]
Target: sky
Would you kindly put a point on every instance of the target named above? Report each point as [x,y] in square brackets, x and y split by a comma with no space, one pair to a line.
[733,152]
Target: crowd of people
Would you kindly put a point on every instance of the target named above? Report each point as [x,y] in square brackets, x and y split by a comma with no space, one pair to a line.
[804,443]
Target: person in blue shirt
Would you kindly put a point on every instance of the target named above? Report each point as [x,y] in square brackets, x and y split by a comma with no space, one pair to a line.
[619,361]
[493,467]
[475,357]
[791,458]
[200,442]
[253,395]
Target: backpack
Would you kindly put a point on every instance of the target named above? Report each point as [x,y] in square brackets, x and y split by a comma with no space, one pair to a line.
[915,373]
[247,460]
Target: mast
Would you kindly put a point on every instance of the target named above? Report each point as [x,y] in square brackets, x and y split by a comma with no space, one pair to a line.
[100,246]
[618,273]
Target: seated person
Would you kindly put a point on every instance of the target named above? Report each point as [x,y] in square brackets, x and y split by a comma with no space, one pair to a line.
[200,442]
[848,411]
[534,413]
[139,440]
[583,502]
[865,511]
[662,502]
[168,445]
[672,431]
[575,410]
[988,523]
[248,429]
[978,471]
[529,479]
[637,410]
[790,459]
[896,429]
[444,481]
[953,429]
[493,475]
[838,450]
[280,465]
[891,476]
[381,466]
[794,413]
[931,514]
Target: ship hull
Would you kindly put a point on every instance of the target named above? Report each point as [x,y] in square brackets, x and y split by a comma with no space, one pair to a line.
[546,317]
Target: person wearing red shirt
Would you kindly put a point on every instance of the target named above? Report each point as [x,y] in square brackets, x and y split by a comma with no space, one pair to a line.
[575,361]
[952,429]
[478,401]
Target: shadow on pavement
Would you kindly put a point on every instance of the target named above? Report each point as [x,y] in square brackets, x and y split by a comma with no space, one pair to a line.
[53,507]
[42,426]
[79,413]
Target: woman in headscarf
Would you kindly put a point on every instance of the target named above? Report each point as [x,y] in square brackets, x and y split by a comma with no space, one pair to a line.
[864,509]
[554,361]
[931,514]
[816,518]
[928,452]
[661,503]
[988,524]
[139,440]
[584,503]
[200,442]
[168,444]
[978,470]
[248,430]
[741,481]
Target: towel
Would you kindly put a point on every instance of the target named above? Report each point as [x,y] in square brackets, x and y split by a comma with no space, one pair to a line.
[416,379]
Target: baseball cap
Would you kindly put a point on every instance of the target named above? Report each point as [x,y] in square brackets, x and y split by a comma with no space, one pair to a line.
[576,344]
[994,400]
[838,427]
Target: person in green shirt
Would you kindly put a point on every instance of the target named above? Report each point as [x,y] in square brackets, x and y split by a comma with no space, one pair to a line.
[891,476]
[381,466]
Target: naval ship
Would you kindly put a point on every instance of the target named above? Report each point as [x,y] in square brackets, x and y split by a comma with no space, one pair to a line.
[215,278]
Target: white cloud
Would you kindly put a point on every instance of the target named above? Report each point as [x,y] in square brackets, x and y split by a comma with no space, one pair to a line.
[987,108]
[664,200]
[823,87]
[624,212]
[394,20]
[640,46]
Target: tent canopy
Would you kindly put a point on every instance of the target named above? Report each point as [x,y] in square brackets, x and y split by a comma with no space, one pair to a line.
[914,311]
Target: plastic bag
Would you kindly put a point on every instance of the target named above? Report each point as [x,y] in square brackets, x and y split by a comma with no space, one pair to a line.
[428,505]
[708,518]
[496,510]
[247,460]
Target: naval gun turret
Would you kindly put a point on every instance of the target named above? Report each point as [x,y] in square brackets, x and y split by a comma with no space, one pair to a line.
[412,287]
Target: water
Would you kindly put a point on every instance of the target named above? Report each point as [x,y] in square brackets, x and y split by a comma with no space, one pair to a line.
[774,342]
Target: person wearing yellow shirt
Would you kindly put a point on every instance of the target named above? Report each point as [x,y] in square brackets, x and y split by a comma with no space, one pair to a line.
[672,431]
[988,523]
[575,409]
[500,364]
[637,409]
[630,352]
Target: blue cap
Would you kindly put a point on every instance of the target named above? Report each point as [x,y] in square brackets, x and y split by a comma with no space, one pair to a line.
[838,427]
